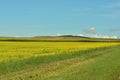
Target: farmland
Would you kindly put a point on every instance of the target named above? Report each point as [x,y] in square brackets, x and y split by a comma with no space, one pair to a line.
[59,60]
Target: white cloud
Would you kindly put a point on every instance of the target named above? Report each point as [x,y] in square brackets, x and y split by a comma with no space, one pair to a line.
[59,34]
[113,5]
[112,15]
[102,36]
[81,35]
[17,36]
[115,30]
[112,10]
[92,29]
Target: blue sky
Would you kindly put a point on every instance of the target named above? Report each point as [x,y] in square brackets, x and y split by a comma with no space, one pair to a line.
[49,17]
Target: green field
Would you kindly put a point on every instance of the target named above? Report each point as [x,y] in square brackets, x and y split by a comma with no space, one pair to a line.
[59,60]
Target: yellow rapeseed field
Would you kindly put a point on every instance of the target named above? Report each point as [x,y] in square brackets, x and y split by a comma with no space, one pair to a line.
[20,50]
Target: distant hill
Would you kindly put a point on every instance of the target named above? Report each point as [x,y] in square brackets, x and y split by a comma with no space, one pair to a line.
[57,38]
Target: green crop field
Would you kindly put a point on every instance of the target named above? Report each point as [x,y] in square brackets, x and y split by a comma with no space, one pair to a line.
[59,60]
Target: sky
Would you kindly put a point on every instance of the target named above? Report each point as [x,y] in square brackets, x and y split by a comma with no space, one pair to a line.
[59,17]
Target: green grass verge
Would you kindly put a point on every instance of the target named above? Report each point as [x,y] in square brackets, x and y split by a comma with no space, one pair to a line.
[105,67]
